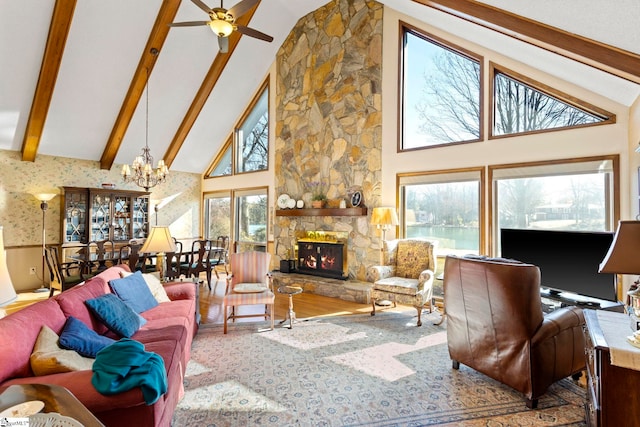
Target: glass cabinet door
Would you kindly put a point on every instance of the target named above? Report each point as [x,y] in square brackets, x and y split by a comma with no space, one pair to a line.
[75,217]
[100,217]
[121,218]
[140,220]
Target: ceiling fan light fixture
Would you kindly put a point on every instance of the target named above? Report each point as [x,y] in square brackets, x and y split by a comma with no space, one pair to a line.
[221,28]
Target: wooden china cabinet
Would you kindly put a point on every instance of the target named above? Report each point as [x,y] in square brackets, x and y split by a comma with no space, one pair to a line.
[101,214]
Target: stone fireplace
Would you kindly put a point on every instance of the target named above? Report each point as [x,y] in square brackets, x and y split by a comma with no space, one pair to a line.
[329,126]
[325,257]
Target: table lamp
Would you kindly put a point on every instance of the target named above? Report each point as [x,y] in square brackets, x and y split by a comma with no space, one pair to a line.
[159,242]
[622,258]
[384,218]
[7,293]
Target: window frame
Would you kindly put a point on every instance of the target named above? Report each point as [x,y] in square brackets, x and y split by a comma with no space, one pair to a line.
[495,69]
[439,177]
[235,213]
[405,28]
[614,197]
[217,195]
[228,145]
[232,139]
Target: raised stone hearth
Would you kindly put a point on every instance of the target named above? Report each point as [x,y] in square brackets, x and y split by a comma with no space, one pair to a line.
[348,290]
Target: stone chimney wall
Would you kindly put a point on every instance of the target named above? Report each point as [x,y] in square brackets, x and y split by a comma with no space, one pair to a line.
[329,122]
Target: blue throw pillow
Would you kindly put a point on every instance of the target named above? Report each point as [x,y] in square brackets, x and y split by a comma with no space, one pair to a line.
[77,336]
[116,315]
[133,290]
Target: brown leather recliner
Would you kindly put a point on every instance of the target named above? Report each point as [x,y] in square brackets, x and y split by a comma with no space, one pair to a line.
[496,326]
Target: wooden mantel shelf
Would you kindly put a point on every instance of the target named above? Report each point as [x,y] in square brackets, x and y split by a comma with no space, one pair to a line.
[322,212]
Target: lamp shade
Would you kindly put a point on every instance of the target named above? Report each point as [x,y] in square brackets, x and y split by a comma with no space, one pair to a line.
[384,217]
[159,241]
[44,197]
[622,257]
[7,293]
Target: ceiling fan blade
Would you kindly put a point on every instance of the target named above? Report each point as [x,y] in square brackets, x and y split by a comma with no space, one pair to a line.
[241,8]
[201,5]
[223,42]
[254,33]
[189,24]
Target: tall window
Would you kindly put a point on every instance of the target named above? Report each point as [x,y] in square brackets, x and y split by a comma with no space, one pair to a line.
[217,215]
[252,137]
[445,207]
[565,195]
[248,148]
[251,219]
[520,107]
[440,101]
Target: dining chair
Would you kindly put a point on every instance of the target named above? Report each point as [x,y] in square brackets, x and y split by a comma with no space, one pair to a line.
[219,254]
[137,261]
[63,275]
[97,254]
[248,284]
[198,261]
[172,261]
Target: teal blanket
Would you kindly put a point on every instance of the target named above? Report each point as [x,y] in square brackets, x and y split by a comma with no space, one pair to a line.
[124,365]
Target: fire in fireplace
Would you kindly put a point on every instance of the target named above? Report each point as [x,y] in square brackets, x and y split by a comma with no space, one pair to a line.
[323,259]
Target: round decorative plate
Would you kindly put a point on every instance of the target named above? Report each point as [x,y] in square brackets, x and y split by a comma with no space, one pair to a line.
[291,203]
[23,410]
[52,419]
[282,201]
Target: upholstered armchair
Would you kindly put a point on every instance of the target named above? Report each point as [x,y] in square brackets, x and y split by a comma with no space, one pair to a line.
[496,326]
[406,276]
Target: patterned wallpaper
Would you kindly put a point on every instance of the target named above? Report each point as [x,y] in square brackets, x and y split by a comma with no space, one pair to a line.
[21,216]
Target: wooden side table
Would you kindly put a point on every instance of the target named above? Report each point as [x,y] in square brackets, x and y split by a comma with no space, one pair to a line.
[56,399]
[612,391]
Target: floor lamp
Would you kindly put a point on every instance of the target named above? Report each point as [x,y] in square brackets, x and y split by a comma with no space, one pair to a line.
[44,198]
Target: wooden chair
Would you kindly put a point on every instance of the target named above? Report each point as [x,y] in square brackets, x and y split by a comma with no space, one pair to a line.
[219,254]
[137,261]
[104,252]
[198,261]
[248,284]
[172,262]
[63,275]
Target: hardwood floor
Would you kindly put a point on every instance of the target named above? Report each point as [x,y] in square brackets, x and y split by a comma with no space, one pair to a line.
[305,305]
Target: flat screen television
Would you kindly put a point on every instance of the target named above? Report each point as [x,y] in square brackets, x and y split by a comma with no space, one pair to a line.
[568,260]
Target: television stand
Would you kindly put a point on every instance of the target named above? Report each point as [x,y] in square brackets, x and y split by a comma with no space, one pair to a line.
[554,299]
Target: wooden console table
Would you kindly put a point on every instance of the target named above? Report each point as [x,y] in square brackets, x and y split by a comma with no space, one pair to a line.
[612,391]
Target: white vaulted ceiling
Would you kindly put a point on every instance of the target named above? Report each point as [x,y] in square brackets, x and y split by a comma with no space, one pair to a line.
[107,39]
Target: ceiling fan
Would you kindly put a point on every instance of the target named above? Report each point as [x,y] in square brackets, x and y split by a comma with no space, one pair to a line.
[222,22]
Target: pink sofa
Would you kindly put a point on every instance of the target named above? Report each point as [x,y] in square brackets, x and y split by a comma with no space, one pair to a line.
[169,332]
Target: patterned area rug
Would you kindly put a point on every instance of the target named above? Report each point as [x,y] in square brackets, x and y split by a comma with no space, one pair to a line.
[352,371]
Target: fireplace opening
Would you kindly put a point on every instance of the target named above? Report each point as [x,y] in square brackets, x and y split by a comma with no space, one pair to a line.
[323,259]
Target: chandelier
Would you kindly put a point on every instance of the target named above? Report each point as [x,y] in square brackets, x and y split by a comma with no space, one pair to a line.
[141,171]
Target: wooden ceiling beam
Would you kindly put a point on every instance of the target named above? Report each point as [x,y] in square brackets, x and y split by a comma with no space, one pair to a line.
[214,73]
[156,40]
[54,49]
[610,59]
